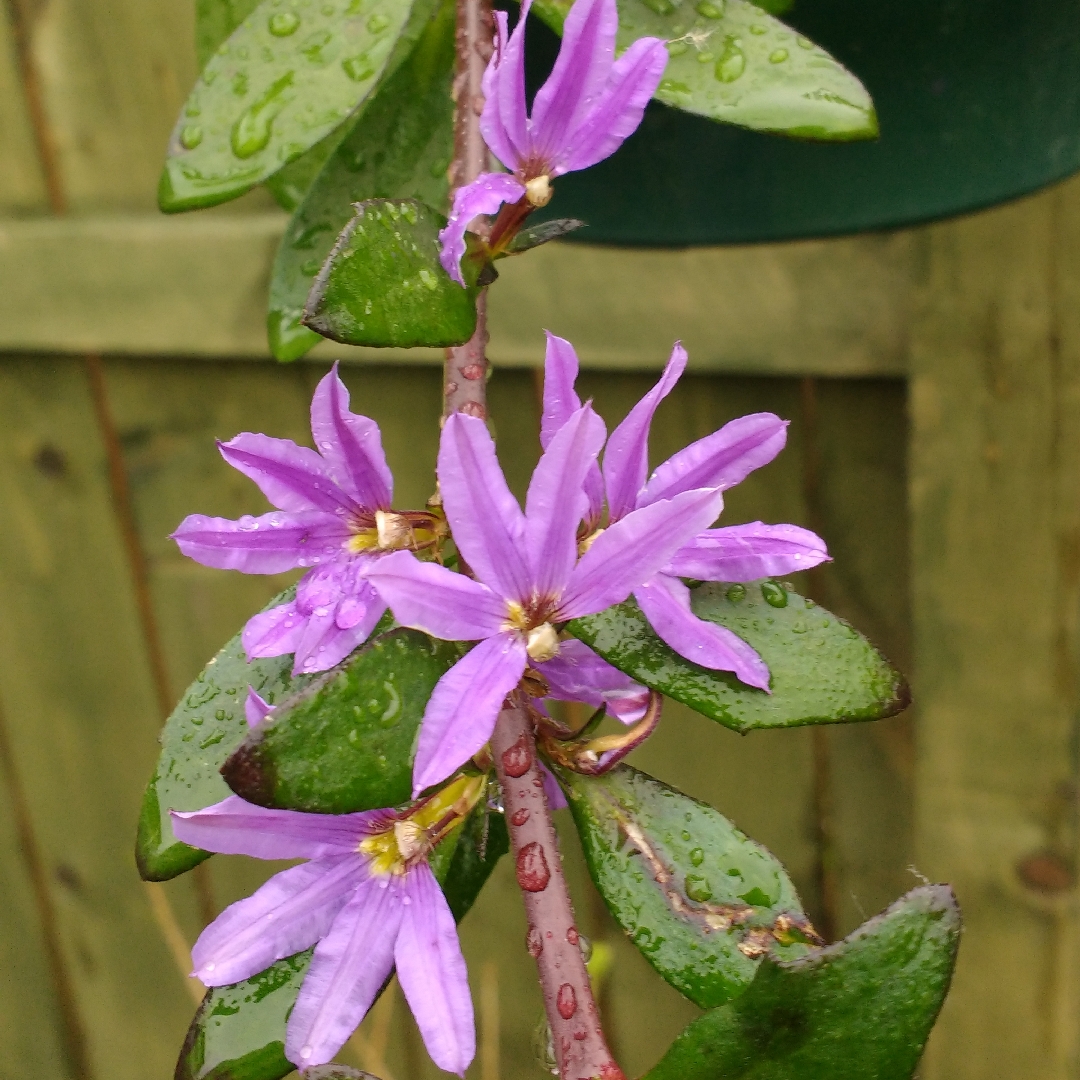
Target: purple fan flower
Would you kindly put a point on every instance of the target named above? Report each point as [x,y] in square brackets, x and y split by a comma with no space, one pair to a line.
[590,103]
[720,460]
[366,899]
[576,673]
[529,577]
[333,515]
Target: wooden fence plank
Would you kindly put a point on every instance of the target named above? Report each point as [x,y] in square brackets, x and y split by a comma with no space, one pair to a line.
[34,1038]
[113,74]
[22,187]
[856,487]
[197,286]
[995,596]
[80,708]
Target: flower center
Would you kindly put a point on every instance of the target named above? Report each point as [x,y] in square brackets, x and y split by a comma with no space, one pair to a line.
[538,190]
[541,638]
[415,833]
[410,530]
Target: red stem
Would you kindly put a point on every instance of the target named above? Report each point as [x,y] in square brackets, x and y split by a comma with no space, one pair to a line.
[465,381]
[580,1048]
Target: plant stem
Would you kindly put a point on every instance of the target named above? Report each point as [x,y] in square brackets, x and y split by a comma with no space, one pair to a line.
[580,1048]
[465,379]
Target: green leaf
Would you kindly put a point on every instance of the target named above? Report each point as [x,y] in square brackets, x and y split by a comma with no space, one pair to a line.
[383,285]
[535,235]
[198,737]
[345,742]
[291,183]
[202,731]
[284,80]
[823,671]
[860,1009]
[733,62]
[399,147]
[700,900]
[215,20]
[238,1032]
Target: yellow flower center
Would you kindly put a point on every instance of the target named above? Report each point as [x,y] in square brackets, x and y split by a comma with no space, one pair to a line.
[541,638]
[393,531]
[412,837]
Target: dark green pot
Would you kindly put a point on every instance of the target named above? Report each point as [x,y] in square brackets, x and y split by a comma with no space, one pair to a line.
[979,101]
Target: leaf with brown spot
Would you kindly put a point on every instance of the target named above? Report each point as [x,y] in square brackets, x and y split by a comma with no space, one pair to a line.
[702,901]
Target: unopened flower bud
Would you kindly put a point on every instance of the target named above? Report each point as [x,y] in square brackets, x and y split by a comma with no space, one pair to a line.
[538,190]
[542,642]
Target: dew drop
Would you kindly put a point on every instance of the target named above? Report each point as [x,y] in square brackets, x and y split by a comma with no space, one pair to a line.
[774,594]
[533,874]
[191,136]
[757,29]
[697,856]
[358,68]
[677,48]
[566,1001]
[283,23]
[698,888]
[732,62]
[778,56]
[710,9]
[377,23]
[252,130]
[306,1052]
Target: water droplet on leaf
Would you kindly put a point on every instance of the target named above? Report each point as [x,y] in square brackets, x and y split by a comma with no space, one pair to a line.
[774,594]
[283,23]
[698,888]
[191,136]
[358,68]
[732,62]
[735,593]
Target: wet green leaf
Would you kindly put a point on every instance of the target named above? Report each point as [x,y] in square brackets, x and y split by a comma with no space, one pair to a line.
[398,148]
[215,20]
[700,900]
[383,285]
[203,730]
[238,1032]
[860,1009]
[287,76]
[535,235]
[823,671]
[731,61]
[291,183]
[345,742]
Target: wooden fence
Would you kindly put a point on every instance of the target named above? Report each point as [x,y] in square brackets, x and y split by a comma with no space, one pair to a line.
[933,382]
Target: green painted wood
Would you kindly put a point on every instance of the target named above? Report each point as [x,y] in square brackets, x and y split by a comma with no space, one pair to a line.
[81,714]
[33,1039]
[995,441]
[22,185]
[856,482]
[147,285]
[112,80]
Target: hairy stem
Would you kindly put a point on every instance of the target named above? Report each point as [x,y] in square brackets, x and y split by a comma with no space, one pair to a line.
[465,379]
[580,1048]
